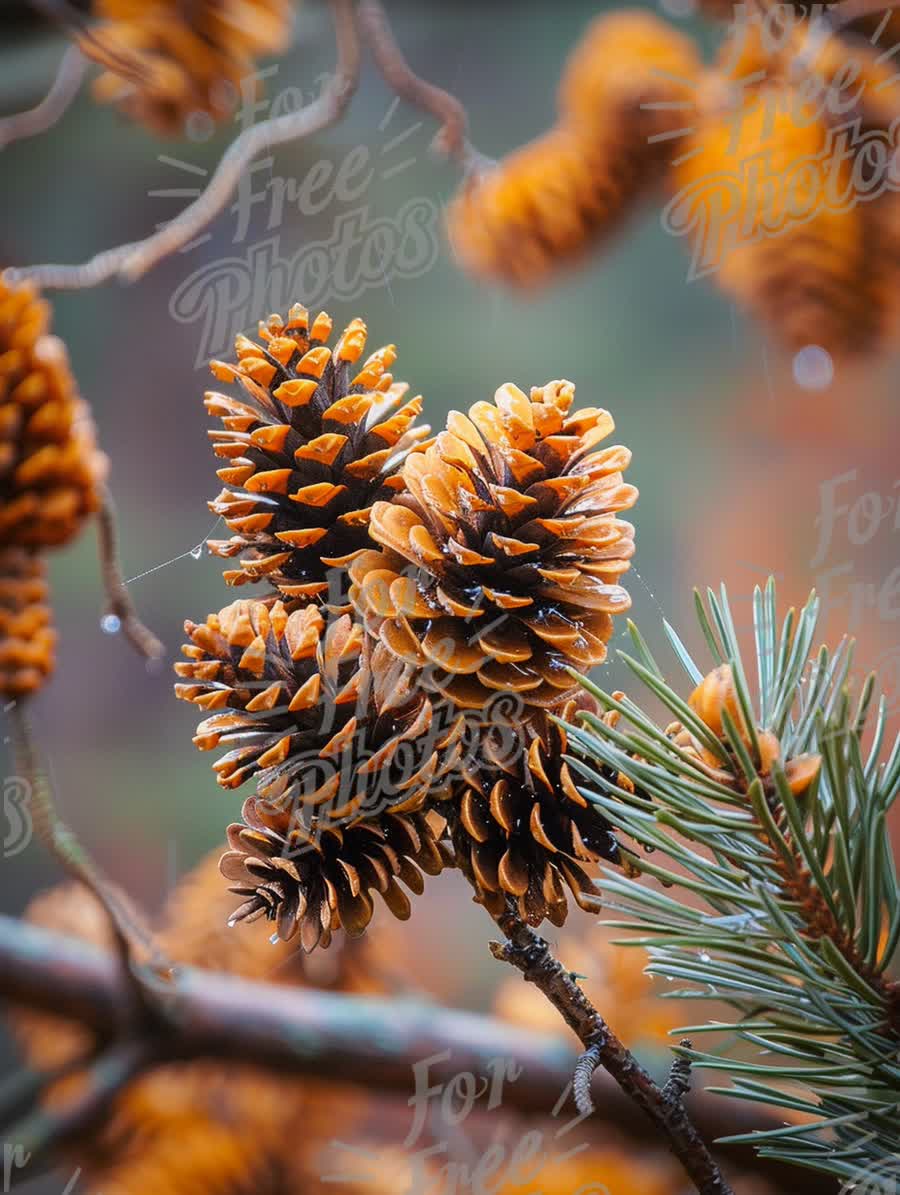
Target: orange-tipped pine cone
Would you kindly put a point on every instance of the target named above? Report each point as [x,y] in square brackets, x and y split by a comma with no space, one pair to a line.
[522,826]
[501,562]
[317,440]
[322,729]
[321,879]
[27,638]
[50,468]
[631,68]
[165,59]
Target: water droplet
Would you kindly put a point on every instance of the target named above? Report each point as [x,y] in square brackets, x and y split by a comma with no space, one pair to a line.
[199,126]
[110,624]
[704,957]
[197,552]
[649,849]
[274,940]
[813,368]
[232,922]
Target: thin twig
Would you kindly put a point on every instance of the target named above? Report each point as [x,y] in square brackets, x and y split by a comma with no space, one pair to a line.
[582,1077]
[53,106]
[404,82]
[133,260]
[528,952]
[128,927]
[119,603]
[678,1083]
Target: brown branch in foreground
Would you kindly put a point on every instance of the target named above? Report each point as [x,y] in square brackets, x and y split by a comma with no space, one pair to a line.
[53,106]
[133,260]
[404,82]
[366,1041]
[528,952]
[118,598]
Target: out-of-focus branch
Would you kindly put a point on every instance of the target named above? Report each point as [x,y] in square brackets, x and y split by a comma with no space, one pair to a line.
[404,82]
[133,260]
[366,1041]
[53,106]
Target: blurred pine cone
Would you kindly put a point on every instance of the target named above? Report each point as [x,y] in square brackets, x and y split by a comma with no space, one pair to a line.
[165,59]
[27,638]
[630,68]
[317,443]
[523,826]
[319,879]
[546,205]
[502,558]
[50,467]
[798,248]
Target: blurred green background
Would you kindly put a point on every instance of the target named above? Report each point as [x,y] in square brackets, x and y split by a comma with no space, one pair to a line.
[729,454]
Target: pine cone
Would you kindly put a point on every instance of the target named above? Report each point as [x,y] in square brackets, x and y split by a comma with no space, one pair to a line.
[816,269]
[331,733]
[509,526]
[315,446]
[27,638]
[165,59]
[319,880]
[524,828]
[630,69]
[49,465]
[548,204]
[539,210]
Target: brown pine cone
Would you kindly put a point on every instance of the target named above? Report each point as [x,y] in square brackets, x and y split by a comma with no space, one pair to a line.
[49,465]
[27,638]
[523,827]
[316,444]
[165,59]
[320,727]
[502,559]
[631,70]
[545,206]
[320,879]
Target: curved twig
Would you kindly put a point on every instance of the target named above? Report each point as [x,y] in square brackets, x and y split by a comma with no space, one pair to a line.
[404,82]
[118,598]
[133,260]
[53,106]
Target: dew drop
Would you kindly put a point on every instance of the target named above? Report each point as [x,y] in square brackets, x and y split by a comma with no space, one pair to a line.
[110,624]
[704,957]
[197,552]
[232,922]
[274,940]
[813,368]
[199,126]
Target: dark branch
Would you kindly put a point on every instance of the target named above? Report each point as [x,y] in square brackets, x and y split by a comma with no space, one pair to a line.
[528,952]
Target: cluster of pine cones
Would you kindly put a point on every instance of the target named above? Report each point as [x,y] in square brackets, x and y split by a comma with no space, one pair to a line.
[392,691]
[766,160]
[50,473]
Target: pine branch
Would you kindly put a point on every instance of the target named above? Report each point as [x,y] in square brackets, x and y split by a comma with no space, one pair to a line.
[768,809]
